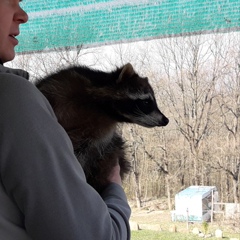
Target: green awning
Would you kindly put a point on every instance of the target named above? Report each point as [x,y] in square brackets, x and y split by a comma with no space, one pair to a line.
[56,24]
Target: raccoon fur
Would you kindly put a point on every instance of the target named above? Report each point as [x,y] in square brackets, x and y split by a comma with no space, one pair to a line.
[89,104]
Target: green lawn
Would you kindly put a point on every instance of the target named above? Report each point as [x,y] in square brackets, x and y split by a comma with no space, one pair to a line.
[153,235]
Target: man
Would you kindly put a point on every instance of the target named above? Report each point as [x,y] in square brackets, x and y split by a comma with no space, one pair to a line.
[43,191]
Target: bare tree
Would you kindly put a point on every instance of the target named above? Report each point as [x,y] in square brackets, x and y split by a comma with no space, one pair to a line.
[229,104]
[191,92]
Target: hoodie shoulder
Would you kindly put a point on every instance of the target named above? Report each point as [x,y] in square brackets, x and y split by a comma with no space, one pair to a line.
[18,72]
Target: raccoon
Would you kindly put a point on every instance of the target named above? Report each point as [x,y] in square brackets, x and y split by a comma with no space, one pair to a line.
[89,104]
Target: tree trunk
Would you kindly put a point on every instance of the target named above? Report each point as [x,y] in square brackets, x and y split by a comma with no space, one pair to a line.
[168,192]
[137,190]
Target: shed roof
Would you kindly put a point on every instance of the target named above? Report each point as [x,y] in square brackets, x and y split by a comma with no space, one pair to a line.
[194,191]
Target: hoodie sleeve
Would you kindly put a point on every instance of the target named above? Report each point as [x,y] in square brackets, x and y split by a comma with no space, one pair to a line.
[41,175]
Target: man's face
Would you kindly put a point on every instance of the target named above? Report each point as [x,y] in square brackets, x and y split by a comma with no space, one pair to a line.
[11,16]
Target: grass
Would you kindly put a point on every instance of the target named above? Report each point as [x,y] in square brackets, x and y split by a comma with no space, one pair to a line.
[153,235]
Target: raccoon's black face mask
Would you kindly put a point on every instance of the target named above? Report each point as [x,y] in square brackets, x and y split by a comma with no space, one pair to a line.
[141,111]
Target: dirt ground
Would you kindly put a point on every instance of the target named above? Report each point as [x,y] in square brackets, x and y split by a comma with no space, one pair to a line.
[154,215]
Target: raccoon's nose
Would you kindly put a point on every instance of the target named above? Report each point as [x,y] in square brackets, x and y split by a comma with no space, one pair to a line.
[164,121]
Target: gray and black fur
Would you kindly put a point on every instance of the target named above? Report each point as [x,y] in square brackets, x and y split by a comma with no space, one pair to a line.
[89,104]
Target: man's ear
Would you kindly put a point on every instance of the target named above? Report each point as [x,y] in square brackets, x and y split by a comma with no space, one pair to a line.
[126,73]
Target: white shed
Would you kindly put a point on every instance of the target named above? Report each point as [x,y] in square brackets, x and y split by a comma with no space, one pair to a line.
[194,203]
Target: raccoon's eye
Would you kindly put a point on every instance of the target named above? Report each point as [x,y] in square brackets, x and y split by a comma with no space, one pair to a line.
[145,105]
[146,102]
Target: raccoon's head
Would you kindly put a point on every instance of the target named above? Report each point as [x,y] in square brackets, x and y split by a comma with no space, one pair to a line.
[136,102]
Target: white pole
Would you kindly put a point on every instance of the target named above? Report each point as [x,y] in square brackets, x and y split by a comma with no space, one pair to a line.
[212,208]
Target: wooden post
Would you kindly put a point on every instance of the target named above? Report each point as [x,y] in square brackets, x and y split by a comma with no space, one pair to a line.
[212,208]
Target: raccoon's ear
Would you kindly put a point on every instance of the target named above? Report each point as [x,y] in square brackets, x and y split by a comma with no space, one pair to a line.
[127,72]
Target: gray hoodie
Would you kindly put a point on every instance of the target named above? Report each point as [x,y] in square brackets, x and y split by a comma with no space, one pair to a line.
[43,191]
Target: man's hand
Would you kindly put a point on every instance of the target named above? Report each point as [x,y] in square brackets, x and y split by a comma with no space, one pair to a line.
[115,175]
